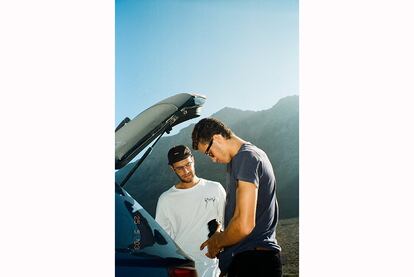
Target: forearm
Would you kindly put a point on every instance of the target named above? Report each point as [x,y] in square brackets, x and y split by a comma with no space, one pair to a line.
[240,225]
[244,217]
[236,231]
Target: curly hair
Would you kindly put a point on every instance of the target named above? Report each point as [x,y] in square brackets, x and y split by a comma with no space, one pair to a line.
[206,128]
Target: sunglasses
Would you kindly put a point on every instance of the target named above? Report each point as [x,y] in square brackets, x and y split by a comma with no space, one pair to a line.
[207,152]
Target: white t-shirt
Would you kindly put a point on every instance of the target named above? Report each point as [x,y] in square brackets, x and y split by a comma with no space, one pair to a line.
[184,214]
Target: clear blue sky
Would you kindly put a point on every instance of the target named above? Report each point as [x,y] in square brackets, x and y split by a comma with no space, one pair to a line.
[57,108]
[241,54]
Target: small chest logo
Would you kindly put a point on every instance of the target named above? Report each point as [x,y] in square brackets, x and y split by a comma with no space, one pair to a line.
[209,199]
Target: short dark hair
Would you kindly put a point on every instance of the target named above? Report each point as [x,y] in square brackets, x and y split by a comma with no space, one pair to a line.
[178,153]
[206,128]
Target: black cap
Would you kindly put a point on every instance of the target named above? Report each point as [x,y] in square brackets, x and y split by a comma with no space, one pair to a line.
[178,153]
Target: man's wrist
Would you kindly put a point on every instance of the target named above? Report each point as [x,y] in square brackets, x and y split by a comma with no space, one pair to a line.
[219,240]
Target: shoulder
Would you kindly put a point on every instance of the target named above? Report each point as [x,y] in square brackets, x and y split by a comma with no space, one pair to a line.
[214,185]
[251,151]
[211,184]
[166,194]
[247,156]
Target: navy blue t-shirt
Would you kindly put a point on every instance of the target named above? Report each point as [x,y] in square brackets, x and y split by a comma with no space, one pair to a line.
[251,164]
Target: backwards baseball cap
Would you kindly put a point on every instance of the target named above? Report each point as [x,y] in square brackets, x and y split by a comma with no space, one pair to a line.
[178,153]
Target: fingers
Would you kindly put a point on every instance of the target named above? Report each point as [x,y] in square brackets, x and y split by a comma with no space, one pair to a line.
[209,253]
[211,244]
[204,244]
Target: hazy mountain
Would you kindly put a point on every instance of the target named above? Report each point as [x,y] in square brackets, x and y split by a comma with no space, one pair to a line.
[275,130]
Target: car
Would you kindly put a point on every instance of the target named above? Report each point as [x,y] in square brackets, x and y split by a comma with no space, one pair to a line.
[142,247]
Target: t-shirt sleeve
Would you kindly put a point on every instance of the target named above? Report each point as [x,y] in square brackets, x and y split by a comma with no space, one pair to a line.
[247,168]
[161,217]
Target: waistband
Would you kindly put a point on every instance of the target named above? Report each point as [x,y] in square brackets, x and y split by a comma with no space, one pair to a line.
[264,249]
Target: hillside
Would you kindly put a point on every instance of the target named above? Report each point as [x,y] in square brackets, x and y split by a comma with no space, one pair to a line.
[275,130]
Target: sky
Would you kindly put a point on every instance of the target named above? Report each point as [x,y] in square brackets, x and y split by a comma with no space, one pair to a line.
[240,54]
[57,111]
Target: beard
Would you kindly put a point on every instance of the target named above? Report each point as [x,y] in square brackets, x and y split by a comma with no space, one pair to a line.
[188,179]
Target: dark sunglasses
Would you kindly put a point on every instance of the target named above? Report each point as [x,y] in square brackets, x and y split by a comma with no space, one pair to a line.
[207,152]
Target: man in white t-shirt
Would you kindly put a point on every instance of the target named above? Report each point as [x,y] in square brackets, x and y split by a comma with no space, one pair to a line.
[185,209]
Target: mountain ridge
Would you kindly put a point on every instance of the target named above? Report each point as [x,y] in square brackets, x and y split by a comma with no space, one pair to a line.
[275,130]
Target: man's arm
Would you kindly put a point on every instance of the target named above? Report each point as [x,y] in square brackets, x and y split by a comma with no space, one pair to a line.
[240,225]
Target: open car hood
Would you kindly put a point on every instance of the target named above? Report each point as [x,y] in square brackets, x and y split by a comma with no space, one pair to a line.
[132,136]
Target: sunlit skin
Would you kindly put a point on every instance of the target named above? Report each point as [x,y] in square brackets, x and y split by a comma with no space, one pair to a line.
[185,171]
[218,151]
[242,223]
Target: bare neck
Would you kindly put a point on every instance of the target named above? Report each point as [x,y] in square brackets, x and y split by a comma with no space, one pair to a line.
[235,143]
[182,185]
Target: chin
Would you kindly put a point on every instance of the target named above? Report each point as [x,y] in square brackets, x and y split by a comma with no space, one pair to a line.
[187,180]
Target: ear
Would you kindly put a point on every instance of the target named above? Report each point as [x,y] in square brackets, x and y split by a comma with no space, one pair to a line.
[218,138]
[172,168]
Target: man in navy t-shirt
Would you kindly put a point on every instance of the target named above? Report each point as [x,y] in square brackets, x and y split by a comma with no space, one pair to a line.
[247,246]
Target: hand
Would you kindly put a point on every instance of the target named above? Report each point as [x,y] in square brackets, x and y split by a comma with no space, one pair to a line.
[213,246]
